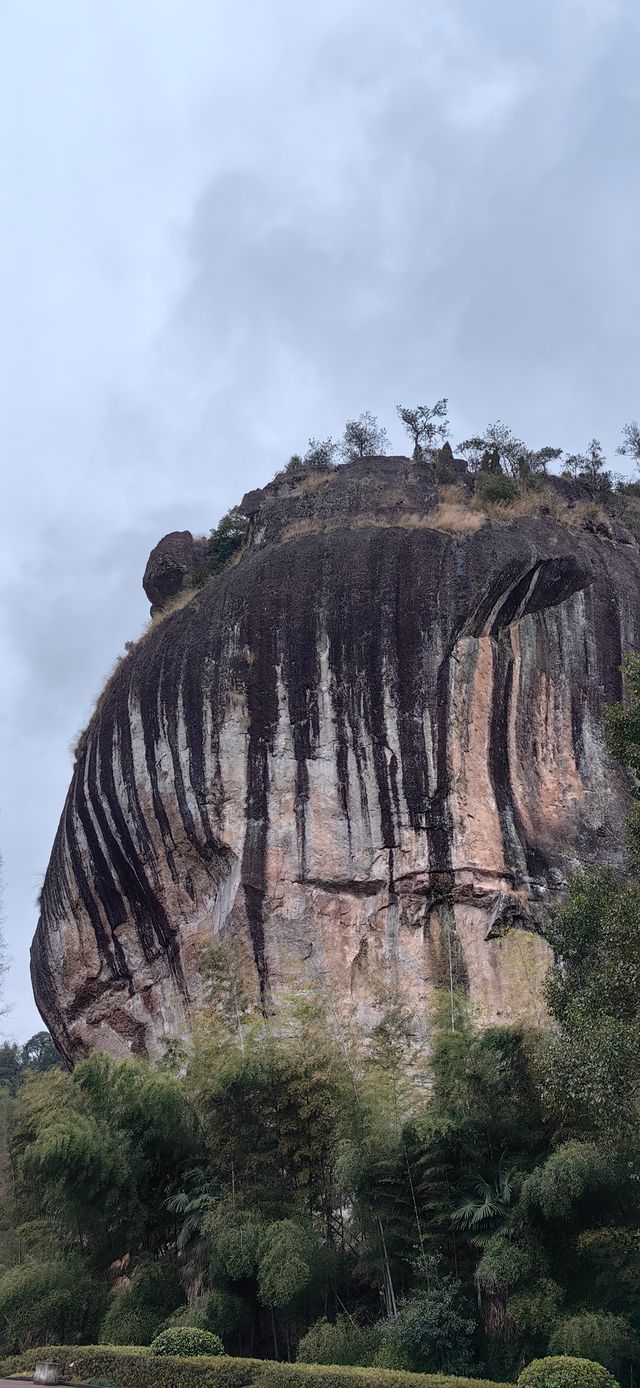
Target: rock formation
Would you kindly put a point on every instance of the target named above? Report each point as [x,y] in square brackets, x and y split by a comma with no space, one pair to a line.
[168,565]
[370,750]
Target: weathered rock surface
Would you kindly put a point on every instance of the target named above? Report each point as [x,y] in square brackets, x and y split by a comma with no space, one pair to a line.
[168,565]
[370,750]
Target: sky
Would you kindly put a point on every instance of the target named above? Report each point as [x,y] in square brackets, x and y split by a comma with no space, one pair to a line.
[227,225]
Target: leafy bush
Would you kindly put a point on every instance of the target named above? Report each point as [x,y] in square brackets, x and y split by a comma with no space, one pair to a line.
[342,1343]
[431,1332]
[188,1341]
[562,1371]
[597,1335]
[53,1300]
[494,487]
[224,541]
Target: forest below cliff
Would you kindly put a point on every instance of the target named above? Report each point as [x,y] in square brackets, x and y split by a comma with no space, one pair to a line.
[304,1189]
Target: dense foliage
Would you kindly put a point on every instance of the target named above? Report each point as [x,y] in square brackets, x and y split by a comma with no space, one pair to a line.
[449,1217]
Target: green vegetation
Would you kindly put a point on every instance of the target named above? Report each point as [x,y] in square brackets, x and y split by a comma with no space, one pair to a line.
[225,541]
[496,453]
[50,1299]
[563,1372]
[137,1368]
[447,1216]
[496,487]
[18,1062]
[343,1342]
[186,1341]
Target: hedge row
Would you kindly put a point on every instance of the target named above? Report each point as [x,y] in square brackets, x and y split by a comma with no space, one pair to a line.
[135,1367]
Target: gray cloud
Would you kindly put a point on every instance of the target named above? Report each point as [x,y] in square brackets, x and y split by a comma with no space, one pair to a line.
[227,226]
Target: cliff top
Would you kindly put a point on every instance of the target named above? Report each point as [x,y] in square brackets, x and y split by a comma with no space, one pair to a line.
[437,491]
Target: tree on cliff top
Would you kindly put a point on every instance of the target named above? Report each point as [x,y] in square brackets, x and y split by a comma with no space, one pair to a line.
[589,467]
[321,454]
[363,437]
[630,446]
[428,425]
[499,451]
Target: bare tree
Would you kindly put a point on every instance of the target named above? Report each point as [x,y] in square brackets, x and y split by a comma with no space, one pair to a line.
[363,437]
[428,426]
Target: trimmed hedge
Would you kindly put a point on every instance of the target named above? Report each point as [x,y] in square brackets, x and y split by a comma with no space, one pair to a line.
[136,1367]
[187,1341]
[564,1371]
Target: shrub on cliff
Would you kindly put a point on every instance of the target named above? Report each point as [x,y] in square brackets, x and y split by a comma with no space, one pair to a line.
[562,1371]
[495,487]
[590,467]
[225,540]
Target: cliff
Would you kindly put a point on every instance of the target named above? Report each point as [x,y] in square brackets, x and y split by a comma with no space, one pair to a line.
[371,749]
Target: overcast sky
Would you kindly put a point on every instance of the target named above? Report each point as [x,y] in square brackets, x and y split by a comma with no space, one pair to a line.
[226,225]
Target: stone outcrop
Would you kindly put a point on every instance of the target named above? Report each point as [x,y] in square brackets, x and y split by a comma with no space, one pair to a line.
[377,489]
[369,750]
[168,565]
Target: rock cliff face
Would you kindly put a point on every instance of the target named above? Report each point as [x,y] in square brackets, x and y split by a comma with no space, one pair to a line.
[370,750]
